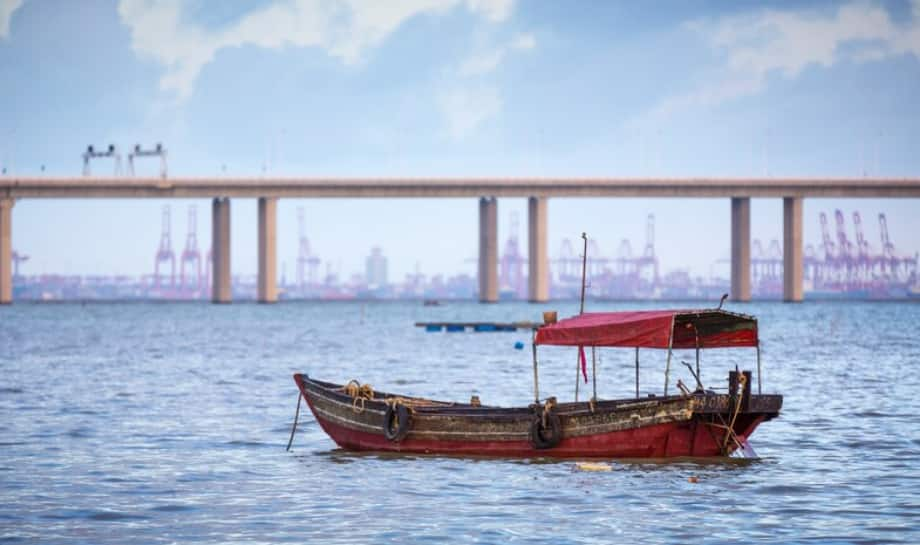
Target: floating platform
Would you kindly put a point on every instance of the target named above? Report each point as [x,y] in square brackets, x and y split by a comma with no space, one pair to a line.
[456,327]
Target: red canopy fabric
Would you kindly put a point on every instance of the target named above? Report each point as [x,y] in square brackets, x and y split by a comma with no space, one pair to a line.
[653,329]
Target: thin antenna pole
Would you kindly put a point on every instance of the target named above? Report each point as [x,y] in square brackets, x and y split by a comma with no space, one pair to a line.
[584,262]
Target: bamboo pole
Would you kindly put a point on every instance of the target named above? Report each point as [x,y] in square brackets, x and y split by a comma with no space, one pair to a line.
[637,372]
[667,369]
[699,378]
[536,384]
[594,371]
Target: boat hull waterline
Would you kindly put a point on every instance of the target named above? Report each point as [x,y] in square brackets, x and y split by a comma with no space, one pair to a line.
[699,425]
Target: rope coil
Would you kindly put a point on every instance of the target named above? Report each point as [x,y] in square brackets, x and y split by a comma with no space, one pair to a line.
[360,393]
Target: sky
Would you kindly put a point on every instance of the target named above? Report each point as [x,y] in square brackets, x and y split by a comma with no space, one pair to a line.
[453,88]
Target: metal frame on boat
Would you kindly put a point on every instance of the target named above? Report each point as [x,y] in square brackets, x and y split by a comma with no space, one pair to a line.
[692,423]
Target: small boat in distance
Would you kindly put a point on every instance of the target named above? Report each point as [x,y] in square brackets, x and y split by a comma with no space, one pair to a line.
[697,422]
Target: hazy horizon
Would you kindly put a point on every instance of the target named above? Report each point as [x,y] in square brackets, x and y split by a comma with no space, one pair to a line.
[454,88]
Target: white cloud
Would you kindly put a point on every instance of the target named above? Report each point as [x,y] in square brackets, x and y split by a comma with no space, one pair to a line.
[487,61]
[754,47]
[524,42]
[482,63]
[7,8]
[788,42]
[467,104]
[465,108]
[493,10]
[343,28]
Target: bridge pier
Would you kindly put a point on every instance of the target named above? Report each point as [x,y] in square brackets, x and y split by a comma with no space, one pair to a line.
[741,249]
[538,264]
[6,251]
[488,250]
[220,250]
[268,250]
[793,265]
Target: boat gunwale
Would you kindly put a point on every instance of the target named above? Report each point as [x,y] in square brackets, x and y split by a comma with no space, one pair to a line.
[567,409]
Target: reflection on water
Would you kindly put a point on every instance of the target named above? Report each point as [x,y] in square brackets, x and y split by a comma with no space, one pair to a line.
[167,423]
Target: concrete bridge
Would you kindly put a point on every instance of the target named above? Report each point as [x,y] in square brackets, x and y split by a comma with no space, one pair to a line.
[487,189]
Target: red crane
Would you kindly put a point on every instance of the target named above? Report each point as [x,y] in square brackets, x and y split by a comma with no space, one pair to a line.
[191,256]
[888,260]
[512,263]
[165,252]
[307,263]
[567,262]
[862,245]
[827,244]
[649,259]
[596,264]
[756,249]
[844,246]
[624,260]
[887,246]
[17,259]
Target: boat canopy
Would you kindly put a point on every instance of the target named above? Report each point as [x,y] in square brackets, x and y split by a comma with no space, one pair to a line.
[706,328]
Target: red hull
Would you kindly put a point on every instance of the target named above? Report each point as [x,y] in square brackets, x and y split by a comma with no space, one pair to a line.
[696,436]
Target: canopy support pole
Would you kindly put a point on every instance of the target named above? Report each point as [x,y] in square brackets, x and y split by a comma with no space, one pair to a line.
[667,369]
[577,372]
[594,371]
[699,379]
[536,384]
[758,369]
[637,372]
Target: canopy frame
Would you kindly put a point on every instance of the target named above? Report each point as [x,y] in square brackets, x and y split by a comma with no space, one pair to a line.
[727,329]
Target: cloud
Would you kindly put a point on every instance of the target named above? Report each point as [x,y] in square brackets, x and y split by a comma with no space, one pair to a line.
[7,8]
[465,108]
[469,101]
[754,47]
[493,10]
[345,29]
[486,62]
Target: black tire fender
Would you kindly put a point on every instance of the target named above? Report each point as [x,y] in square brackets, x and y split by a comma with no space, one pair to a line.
[396,422]
[545,437]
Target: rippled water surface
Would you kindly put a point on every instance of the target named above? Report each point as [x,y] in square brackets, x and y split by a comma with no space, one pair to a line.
[167,423]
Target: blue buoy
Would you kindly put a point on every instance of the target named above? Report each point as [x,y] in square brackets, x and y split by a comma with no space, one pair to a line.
[485,327]
[432,327]
[453,328]
[519,345]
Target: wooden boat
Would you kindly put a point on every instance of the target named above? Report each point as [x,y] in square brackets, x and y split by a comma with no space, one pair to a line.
[698,423]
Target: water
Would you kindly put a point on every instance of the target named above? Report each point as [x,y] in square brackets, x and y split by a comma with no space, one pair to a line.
[166,423]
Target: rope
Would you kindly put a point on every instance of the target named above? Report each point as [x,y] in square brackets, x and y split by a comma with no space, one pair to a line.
[294,427]
[547,407]
[742,380]
[359,393]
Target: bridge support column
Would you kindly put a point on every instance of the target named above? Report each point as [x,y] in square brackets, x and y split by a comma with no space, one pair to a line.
[220,250]
[793,265]
[488,250]
[268,249]
[6,251]
[538,264]
[741,249]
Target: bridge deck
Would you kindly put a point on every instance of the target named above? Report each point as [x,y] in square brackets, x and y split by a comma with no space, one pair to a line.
[439,187]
